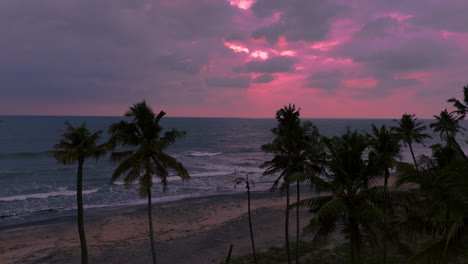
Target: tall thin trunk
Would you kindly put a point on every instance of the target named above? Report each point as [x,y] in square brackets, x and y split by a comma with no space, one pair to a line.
[354,243]
[79,202]
[150,222]
[387,175]
[297,221]
[414,158]
[250,224]
[351,250]
[286,227]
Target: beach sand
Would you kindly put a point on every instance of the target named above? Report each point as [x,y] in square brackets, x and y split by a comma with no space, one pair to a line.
[195,230]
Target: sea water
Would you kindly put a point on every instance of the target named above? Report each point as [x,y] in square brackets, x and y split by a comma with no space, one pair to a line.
[215,151]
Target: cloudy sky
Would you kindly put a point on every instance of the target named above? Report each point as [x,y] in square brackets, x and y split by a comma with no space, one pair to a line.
[232,58]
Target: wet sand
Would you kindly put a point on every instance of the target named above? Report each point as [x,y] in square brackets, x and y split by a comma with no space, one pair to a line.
[196,230]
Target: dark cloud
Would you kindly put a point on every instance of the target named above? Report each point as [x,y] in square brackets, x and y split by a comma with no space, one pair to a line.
[271,65]
[95,50]
[270,32]
[325,80]
[449,16]
[413,55]
[189,19]
[384,87]
[264,78]
[378,28]
[229,82]
[177,64]
[307,20]
[387,83]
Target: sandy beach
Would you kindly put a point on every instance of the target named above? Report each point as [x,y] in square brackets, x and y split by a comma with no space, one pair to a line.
[196,230]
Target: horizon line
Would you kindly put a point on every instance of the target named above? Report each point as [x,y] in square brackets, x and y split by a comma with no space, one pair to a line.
[227,117]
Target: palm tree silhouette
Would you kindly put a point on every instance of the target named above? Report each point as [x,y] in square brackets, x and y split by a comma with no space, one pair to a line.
[247,186]
[145,157]
[76,145]
[292,149]
[462,108]
[385,149]
[410,130]
[438,217]
[446,124]
[348,201]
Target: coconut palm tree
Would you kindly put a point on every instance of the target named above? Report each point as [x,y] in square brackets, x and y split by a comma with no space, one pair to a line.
[462,107]
[446,124]
[144,156]
[76,145]
[347,201]
[247,186]
[292,148]
[439,216]
[410,130]
[385,149]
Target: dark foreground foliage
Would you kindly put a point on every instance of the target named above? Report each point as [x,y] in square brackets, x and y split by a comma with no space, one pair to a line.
[318,254]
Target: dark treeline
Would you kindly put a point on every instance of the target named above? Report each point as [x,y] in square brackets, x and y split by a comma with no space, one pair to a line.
[419,214]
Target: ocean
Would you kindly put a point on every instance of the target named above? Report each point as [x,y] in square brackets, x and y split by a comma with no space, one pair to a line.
[216,151]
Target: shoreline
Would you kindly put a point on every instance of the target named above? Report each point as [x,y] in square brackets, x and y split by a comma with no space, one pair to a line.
[192,230]
[56,214]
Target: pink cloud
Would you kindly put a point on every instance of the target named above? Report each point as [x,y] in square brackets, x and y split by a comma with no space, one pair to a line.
[233,58]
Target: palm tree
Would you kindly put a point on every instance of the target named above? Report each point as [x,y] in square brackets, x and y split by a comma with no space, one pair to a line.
[439,216]
[247,186]
[145,156]
[384,145]
[385,149]
[76,145]
[446,124]
[462,108]
[292,147]
[409,130]
[348,200]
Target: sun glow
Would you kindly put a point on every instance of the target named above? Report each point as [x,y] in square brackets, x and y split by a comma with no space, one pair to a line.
[242,4]
[288,53]
[260,54]
[236,47]
[324,45]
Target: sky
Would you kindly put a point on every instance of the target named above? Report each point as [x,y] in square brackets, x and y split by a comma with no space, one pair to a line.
[233,58]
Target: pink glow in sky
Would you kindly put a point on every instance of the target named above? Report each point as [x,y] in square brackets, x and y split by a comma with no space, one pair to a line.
[233,58]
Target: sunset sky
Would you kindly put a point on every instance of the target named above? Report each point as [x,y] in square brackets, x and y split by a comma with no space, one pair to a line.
[238,58]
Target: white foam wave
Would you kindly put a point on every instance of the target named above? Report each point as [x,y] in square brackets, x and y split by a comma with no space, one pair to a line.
[211,173]
[203,154]
[61,192]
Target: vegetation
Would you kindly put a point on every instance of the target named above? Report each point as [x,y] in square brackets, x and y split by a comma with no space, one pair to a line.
[144,154]
[76,145]
[294,151]
[422,218]
[461,106]
[247,186]
[424,221]
[410,131]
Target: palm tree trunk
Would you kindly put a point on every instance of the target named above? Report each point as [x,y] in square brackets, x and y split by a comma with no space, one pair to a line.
[414,158]
[79,202]
[150,221]
[354,242]
[387,175]
[297,221]
[250,225]
[286,227]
